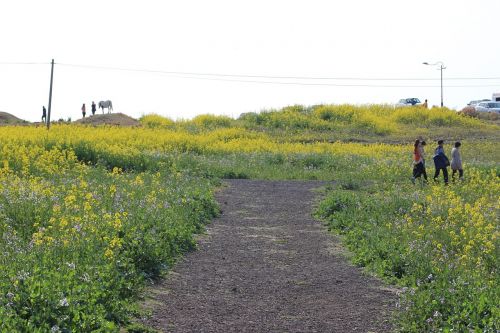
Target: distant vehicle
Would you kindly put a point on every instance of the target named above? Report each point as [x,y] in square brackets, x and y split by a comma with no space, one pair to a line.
[409,102]
[475,102]
[488,107]
[496,97]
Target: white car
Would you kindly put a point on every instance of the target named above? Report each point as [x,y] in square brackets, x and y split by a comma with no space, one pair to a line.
[488,107]
[476,102]
[409,102]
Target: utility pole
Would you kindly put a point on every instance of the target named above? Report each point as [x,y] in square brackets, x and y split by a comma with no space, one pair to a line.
[50,93]
[441,67]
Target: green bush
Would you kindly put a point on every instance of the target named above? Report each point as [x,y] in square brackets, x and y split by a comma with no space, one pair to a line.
[156,121]
[207,121]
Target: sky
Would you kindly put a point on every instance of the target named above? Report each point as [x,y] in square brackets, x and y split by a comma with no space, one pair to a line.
[180,59]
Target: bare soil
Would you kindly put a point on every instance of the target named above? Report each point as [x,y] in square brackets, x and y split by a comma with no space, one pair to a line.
[114,119]
[265,265]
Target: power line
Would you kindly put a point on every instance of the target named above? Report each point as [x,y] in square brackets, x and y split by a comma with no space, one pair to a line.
[24,63]
[326,84]
[273,79]
[270,76]
[219,79]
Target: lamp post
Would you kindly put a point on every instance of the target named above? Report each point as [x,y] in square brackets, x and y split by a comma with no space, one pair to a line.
[441,67]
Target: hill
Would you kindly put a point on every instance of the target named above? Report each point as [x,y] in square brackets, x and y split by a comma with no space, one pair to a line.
[9,119]
[114,119]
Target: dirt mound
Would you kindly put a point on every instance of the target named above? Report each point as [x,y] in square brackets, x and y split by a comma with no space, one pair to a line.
[9,119]
[115,119]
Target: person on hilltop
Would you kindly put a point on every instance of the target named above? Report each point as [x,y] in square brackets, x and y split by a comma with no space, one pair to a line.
[44,114]
[93,108]
[456,162]
[418,161]
[441,162]
[83,110]
[425,105]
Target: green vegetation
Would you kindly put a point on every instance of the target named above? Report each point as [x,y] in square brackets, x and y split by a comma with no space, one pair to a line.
[89,214]
[79,242]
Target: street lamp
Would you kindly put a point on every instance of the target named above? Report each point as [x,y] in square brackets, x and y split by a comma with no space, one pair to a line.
[441,67]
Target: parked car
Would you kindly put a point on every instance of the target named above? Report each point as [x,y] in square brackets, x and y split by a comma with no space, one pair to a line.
[409,102]
[489,106]
[475,102]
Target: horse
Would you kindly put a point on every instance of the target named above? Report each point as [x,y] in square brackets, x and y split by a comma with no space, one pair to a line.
[106,105]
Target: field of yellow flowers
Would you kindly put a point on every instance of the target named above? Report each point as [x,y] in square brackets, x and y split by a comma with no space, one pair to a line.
[440,243]
[78,241]
[89,214]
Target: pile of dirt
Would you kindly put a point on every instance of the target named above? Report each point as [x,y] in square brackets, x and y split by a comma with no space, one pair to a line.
[114,119]
[9,119]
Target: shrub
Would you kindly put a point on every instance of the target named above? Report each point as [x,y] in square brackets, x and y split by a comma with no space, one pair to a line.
[339,113]
[156,121]
[440,117]
[469,111]
[208,121]
[488,115]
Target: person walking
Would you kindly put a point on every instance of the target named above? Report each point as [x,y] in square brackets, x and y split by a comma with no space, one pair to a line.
[83,110]
[418,161]
[422,153]
[44,115]
[93,108]
[456,162]
[441,162]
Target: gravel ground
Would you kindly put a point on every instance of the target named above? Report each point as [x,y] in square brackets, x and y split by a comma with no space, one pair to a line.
[265,265]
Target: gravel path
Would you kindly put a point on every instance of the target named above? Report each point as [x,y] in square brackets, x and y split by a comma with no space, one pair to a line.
[266,265]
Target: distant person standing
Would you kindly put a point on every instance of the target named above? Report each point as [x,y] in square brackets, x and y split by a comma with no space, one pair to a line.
[456,162]
[44,115]
[93,108]
[425,105]
[83,110]
[441,162]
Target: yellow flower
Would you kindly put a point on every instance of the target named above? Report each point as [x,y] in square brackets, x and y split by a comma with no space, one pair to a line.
[70,200]
[63,222]
[108,253]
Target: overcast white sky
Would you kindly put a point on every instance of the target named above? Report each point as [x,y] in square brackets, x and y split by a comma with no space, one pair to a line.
[334,39]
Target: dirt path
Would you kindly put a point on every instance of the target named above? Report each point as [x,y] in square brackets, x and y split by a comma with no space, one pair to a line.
[266,266]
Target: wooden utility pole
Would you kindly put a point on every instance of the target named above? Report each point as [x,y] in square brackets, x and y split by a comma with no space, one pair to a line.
[50,93]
